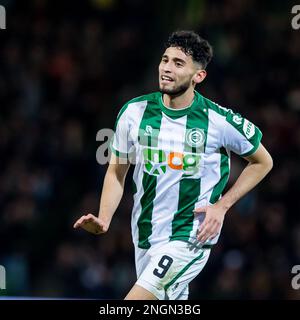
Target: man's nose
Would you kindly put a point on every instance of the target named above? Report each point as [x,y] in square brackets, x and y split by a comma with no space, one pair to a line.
[167,67]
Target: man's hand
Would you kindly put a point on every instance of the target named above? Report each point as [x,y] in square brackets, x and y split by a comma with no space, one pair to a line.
[210,227]
[91,224]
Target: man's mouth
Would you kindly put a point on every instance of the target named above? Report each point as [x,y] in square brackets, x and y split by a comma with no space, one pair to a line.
[166,79]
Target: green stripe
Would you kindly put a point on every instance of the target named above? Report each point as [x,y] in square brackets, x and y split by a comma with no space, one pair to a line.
[167,286]
[182,224]
[189,188]
[152,117]
[144,221]
[224,175]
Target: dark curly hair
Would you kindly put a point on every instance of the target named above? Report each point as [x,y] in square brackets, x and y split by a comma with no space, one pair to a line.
[191,44]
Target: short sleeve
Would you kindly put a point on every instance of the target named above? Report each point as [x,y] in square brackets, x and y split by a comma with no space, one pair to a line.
[121,143]
[240,135]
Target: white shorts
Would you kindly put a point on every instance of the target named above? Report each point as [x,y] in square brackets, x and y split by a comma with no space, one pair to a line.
[167,271]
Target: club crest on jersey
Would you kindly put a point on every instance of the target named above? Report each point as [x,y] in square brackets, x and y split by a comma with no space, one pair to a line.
[195,137]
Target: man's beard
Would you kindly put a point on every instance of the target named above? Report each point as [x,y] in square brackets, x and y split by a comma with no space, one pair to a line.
[175,92]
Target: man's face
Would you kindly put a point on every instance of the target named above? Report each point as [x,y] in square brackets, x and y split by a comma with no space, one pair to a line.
[176,71]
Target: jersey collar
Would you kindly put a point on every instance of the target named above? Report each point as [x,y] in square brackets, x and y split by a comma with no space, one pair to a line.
[178,112]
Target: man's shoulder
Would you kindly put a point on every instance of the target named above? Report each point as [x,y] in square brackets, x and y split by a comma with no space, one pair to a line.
[214,106]
[138,102]
[228,116]
[153,96]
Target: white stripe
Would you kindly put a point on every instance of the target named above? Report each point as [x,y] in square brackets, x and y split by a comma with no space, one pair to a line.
[170,139]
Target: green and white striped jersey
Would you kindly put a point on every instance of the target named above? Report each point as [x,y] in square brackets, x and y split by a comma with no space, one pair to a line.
[182,161]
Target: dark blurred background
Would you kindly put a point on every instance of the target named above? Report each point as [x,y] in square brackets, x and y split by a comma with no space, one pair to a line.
[66,68]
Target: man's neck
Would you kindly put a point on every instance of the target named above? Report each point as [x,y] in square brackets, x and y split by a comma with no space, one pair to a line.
[179,102]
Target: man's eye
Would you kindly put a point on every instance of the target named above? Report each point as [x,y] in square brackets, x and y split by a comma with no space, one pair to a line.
[178,64]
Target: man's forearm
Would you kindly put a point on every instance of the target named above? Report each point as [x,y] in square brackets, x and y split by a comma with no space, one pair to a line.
[111,196]
[248,179]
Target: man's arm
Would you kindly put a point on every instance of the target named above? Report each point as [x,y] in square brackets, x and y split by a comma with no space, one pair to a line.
[112,192]
[260,163]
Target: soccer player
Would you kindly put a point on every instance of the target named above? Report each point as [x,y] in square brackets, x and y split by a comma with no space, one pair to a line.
[180,142]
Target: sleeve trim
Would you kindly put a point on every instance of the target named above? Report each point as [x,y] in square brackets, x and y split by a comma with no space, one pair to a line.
[119,154]
[246,154]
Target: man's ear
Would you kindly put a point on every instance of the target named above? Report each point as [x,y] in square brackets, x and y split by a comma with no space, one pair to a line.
[199,76]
